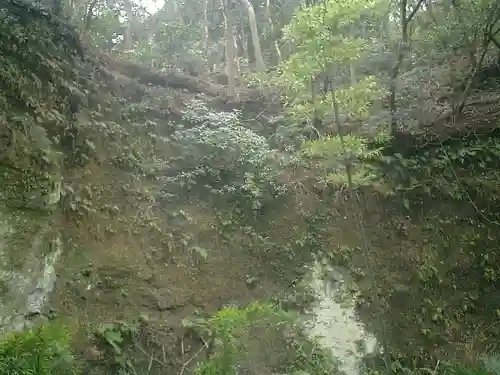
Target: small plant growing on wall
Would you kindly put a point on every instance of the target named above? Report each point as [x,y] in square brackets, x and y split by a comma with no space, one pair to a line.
[116,336]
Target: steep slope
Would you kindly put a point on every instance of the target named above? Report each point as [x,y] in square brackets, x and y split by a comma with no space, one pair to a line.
[86,155]
[37,101]
[93,155]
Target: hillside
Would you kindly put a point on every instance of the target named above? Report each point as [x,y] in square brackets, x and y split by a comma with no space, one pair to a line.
[90,134]
[137,204]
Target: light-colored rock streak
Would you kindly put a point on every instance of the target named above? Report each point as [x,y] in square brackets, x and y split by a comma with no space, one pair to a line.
[336,322]
[29,252]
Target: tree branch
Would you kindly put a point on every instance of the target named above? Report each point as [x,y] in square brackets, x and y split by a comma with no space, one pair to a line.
[468,88]
[494,40]
[414,11]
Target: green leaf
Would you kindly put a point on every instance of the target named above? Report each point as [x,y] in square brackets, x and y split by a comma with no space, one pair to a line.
[406,203]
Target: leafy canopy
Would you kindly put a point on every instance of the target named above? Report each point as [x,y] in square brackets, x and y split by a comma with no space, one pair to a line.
[323,46]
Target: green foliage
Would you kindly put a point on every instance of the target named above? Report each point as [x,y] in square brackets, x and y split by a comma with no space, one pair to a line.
[173,45]
[432,39]
[319,37]
[353,103]
[44,350]
[461,170]
[441,368]
[117,336]
[219,155]
[321,41]
[179,42]
[106,28]
[323,46]
[335,153]
[261,334]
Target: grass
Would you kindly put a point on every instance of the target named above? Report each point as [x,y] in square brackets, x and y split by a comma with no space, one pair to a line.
[262,338]
[43,350]
[46,349]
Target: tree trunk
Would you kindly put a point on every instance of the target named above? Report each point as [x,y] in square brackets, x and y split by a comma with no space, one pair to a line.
[128,30]
[260,65]
[204,31]
[352,70]
[229,48]
[89,16]
[236,55]
[402,49]
[273,31]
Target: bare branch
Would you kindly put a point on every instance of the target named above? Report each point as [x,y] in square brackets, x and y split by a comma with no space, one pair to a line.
[205,346]
[414,11]
[475,70]
[490,34]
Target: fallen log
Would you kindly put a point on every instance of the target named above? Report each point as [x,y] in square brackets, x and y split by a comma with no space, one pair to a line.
[180,81]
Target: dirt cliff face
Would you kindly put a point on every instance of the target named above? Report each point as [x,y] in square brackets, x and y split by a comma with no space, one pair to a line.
[83,152]
[37,69]
[73,126]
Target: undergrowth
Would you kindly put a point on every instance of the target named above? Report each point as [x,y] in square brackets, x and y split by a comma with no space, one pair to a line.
[261,337]
[44,350]
[463,170]
[258,337]
[220,158]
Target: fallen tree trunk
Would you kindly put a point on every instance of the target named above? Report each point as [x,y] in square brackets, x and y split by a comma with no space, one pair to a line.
[180,81]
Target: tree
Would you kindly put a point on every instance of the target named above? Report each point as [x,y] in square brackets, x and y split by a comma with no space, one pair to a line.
[229,47]
[89,14]
[322,47]
[255,35]
[273,31]
[322,44]
[130,24]
[404,19]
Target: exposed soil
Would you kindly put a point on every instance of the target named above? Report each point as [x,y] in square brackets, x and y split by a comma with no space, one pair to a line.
[121,266]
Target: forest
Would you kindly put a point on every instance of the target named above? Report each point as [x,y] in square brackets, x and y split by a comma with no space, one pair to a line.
[258,187]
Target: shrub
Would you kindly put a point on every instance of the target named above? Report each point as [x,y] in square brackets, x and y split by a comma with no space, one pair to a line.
[220,155]
[262,338]
[44,350]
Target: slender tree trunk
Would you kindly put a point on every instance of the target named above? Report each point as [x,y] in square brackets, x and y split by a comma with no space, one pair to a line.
[488,36]
[175,7]
[315,118]
[352,74]
[273,31]
[128,31]
[204,31]
[239,38]
[229,47]
[403,47]
[260,65]
[236,54]
[89,14]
